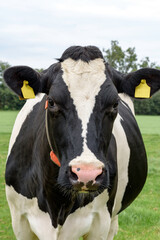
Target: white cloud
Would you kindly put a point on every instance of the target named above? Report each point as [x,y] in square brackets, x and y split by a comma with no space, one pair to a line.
[36,32]
[127,9]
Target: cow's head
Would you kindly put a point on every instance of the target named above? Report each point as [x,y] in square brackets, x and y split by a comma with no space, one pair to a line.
[82,92]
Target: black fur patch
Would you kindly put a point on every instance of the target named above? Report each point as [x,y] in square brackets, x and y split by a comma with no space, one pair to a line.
[85,54]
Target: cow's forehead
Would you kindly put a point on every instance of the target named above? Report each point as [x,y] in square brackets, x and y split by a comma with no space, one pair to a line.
[80,67]
[84,81]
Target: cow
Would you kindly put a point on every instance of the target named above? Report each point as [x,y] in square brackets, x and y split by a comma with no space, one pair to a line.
[76,156]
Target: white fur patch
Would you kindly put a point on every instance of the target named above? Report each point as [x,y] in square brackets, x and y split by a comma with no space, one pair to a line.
[28,220]
[93,220]
[128,100]
[30,223]
[123,156]
[84,81]
[27,108]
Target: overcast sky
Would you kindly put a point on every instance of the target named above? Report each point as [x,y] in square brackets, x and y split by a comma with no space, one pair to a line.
[35,32]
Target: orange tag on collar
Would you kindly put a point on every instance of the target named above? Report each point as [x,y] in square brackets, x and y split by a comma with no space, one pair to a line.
[54,158]
[46,104]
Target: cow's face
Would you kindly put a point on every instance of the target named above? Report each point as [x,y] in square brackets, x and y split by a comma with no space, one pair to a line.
[83,101]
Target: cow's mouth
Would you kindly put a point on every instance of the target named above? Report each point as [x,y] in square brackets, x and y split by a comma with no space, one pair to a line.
[93,185]
[90,186]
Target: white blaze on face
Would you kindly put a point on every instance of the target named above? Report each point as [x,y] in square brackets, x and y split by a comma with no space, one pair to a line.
[84,81]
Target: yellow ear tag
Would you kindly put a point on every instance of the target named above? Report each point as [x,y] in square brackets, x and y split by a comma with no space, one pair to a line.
[142,90]
[27,91]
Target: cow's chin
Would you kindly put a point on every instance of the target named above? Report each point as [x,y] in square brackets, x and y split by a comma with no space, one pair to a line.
[85,197]
[88,194]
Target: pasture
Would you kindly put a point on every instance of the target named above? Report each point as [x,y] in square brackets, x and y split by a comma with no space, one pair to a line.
[141,221]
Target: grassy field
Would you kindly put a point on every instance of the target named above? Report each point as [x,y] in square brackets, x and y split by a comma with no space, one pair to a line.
[141,221]
[6,123]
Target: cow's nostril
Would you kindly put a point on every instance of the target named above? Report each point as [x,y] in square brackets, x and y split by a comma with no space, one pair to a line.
[100,177]
[73,176]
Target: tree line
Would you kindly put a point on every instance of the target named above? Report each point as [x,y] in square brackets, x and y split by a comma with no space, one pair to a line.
[124,61]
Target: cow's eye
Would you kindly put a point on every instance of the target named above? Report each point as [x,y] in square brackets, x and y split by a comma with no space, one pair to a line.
[51,102]
[115,105]
[111,111]
[53,106]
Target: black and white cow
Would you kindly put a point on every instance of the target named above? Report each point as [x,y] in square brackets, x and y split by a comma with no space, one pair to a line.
[100,158]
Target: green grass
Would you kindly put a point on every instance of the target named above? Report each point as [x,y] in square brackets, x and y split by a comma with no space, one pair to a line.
[6,123]
[7,119]
[149,124]
[141,221]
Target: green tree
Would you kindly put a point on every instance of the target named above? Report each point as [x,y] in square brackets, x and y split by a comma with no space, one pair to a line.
[146,63]
[148,106]
[3,66]
[123,61]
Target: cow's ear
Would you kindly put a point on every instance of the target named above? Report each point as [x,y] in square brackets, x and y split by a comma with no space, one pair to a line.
[140,84]
[23,80]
